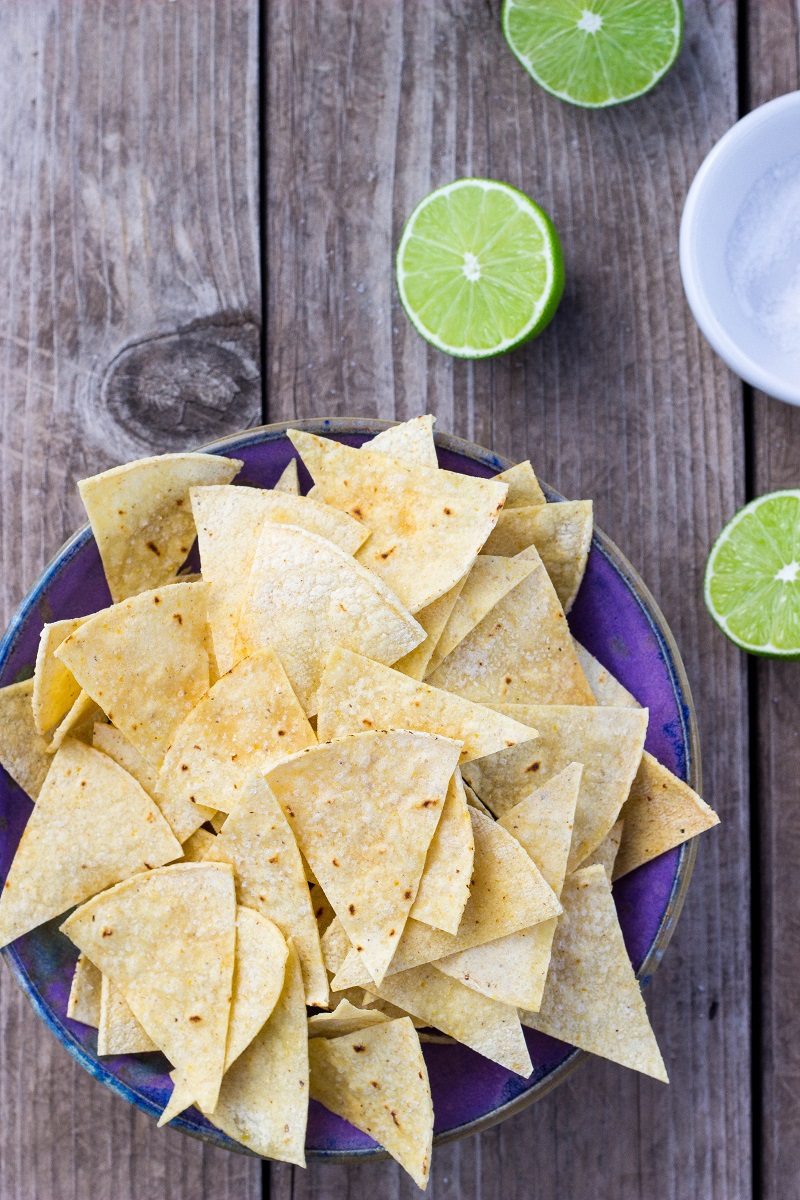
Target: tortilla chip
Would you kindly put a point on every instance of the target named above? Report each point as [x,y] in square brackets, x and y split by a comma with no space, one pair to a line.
[507,893]
[377,1080]
[144,662]
[427,525]
[661,812]
[606,853]
[364,810]
[229,522]
[263,1101]
[606,689]
[289,481]
[118,1031]
[306,596]
[55,689]
[335,948]
[197,845]
[520,653]
[433,618]
[218,820]
[357,694]
[410,443]
[167,940]
[562,533]
[346,1018]
[490,579]
[92,826]
[592,997]
[23,750]
[323,910]
[258,978]
[609,743]
[84,993]
[141,517]
[475,801]
[543,822]
[79,722]
[444,887]
[259,844]
[523,486]
[248,720]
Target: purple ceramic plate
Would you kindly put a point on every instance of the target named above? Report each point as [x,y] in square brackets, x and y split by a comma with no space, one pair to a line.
[615,618]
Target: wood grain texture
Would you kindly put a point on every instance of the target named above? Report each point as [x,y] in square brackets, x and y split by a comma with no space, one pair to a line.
[129,210]
[369,106]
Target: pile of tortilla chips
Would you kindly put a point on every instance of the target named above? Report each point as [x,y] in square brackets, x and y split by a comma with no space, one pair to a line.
[357,765]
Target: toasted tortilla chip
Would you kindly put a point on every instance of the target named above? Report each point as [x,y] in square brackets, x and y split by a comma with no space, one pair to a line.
[263,1101]
[520,653]
[592,997]
[118,1031]
[141,517]
[377,1080]
[433,619]
[444,886]
[606,853]
[55,689]
[79,722]
[357,694]
[229,522]
[507,893]
[258,978]
[197,845]
[410,443]
[661,812]
[523,486]
[289,481]
[490,579]
[218,820]
[23,750]
[609,743]
[92,826]
[346,1018]
[543,823]
[562,533]
[84,993]
[248,720]
[364,810]
[475,801]
[167,940]
[259,844]
[306,596]
[427,525]
[606,689]
[335,947]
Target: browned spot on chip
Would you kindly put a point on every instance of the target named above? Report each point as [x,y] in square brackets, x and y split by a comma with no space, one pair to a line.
[107,932]
[177,617]
[533,767]
[335,862]
[351,908]
[152,546]
[359,1047]
[407,895]
[195,1019]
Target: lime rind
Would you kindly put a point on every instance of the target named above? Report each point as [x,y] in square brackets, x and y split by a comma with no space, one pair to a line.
[752,579]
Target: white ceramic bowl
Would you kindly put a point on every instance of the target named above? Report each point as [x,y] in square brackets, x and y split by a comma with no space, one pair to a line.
[756,147]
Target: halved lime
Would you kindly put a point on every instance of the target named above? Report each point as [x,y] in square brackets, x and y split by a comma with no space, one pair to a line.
[752,584]
[479,268]
[595,52]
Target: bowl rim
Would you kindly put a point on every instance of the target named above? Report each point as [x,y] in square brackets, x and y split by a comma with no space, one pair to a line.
[687,851]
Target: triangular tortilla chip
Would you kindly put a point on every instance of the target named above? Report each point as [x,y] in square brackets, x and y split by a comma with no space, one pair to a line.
[606,689]
[289,482]
[523,486]
[592,997]
[78,723]
[433,618]
[562,533]
[475,801]
[346,1018]
[91,827]
[661,812]
[609,743]
[306,596]
[167,940]
[118,1031]
[606,853]
[543,823]
[507,893]
[520,653]
[263,1101]
[364,810]
[377,1080]
[23,750]
[490,579]
[258,978]
[229,521]
[144,662]
[248,720]
[444,886]
[357,694]
[197,845]
[141,517]
[427,525]
[55,689]
[84,993]
[410,443]
[259,844]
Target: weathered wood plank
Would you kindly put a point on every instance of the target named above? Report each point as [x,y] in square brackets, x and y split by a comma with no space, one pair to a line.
[369,106]
[129,208]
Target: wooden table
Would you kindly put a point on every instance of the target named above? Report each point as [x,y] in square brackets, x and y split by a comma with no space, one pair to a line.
[190,188]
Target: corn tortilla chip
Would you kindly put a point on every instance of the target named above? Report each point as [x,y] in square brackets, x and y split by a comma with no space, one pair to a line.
[141,517]
[562,533]
[346,1018]
[23,750]
[306,596]
[78,723]
[144,662]
[197,845]
[259,844]
[523,486]
[606,853]
[84,993]
[377,1080]
[475,801]
[92,826]
[118,1031]
[433,618]
[661,812]
[592,997]
[167,940]
[543,823]
[410,443]
[289,481]
[444,887]
[357,694]
[323,910]
[248,720]
[427,525]
[606,689]
[217,821]
[55,689]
